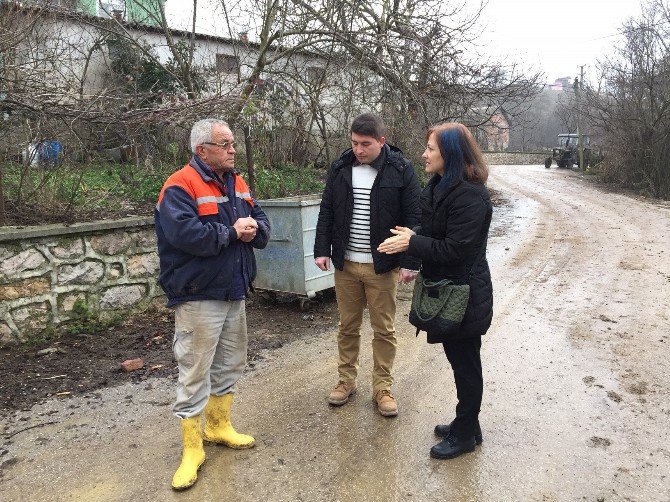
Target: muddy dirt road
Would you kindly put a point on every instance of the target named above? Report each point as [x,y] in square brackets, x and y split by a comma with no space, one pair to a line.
[576,403]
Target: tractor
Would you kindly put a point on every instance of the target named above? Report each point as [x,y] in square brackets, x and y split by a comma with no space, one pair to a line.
[566,154]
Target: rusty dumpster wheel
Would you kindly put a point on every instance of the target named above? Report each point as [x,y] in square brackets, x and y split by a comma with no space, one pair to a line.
[305,304]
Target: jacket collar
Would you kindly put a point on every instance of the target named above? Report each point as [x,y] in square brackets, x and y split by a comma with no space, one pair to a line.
[389,155]
[206,173]
[379,161]
[439,194]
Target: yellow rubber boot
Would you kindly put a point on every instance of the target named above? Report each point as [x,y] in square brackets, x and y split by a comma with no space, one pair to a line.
[193,455]
[218,428]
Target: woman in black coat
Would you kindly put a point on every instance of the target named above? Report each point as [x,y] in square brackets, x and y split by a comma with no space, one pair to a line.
[451,243]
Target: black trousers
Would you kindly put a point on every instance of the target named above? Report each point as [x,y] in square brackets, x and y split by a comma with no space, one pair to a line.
[466,363]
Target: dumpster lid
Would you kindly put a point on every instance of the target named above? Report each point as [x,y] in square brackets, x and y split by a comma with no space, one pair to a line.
[295,201]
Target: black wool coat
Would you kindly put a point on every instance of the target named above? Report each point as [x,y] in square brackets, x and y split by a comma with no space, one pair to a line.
[453,231]
[394,200]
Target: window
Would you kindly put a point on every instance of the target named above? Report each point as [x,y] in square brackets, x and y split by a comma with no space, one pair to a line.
[114,49]
[66,4]
[226,63]
[108,8]
[315,74]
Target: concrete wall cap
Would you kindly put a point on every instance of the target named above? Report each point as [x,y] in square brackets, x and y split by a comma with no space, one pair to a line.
[9,234]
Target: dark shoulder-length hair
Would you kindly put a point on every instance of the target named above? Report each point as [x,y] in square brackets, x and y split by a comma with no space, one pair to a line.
[462,157]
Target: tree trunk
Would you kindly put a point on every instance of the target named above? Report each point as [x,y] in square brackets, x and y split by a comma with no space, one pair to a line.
[2,200]
[248,146]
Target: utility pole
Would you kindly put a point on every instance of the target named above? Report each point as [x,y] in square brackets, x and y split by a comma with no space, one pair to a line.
[579,86]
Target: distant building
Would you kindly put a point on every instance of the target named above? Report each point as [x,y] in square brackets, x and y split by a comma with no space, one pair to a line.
[561,84]
[493,132]
[497,133]
[84,57]
[132,11]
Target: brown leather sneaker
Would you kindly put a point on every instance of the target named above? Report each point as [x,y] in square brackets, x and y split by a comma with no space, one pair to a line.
[340,394]
[386,403]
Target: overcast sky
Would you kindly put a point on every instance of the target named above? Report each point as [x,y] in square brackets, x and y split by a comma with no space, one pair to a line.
[551,36]
[556,36]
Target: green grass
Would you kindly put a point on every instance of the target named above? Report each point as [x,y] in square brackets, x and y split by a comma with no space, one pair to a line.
[85,320]
[288,180]
[89,185]
[82,192]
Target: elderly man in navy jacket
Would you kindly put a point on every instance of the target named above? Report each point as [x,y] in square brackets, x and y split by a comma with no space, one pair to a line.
[207,225]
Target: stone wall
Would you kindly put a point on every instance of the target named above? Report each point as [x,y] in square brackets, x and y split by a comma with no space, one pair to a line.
[515,158]
[110,266]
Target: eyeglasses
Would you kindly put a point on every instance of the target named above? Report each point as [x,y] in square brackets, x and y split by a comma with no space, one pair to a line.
[225,145]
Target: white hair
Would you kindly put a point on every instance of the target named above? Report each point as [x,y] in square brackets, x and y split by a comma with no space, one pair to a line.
[201,132]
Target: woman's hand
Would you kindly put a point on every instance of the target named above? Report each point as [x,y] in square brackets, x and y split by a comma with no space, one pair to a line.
[398,243]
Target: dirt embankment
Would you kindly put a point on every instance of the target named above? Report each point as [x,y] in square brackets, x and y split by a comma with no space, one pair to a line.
[79,363]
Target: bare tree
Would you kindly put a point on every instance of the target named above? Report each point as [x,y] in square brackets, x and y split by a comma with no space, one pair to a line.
[16,25]
[632,105]
[413,59]
[107,85]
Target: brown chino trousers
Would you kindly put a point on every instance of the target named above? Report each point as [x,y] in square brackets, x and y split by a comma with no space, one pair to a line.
[356,286]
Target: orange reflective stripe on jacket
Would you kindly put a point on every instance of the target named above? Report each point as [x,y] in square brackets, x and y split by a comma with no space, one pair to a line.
[207,196]
[242,190]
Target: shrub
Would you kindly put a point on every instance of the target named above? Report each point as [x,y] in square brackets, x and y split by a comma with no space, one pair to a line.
[287,180]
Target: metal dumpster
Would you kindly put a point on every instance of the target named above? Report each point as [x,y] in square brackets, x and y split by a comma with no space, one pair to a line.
[287,263]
